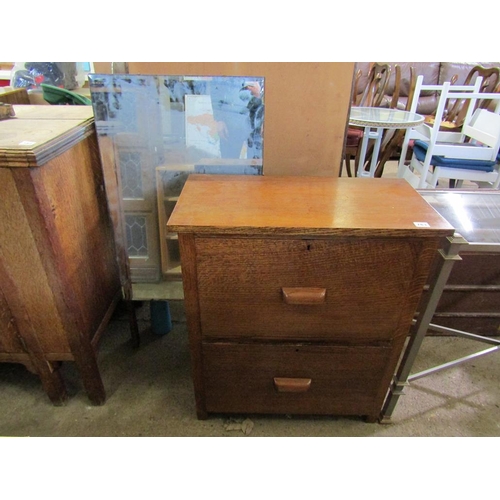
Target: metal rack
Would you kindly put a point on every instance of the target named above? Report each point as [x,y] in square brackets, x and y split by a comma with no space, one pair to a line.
[476,218]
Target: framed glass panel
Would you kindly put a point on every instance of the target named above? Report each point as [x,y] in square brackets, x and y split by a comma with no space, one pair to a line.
[155,130]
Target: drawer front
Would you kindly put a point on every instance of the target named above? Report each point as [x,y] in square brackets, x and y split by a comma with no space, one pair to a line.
[366,286]
[296,379]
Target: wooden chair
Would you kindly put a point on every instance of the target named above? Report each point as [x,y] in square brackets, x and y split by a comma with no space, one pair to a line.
[355,86]
[373,96]
[378,80]
[453,118]
[470,154]
[394,140]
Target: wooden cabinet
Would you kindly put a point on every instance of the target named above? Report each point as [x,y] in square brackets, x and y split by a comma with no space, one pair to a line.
[59,280]
[300,291]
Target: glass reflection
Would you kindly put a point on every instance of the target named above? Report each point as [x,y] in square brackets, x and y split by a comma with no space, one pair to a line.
[155,130]
[474,214]
[197,117]
[456,203]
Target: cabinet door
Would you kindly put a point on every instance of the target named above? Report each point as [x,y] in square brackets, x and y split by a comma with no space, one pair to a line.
[139,208]
[129,132]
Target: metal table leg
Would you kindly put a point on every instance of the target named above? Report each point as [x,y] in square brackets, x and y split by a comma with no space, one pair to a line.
[369,134]
[449,256]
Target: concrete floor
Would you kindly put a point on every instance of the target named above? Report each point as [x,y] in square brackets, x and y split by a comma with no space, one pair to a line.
[149,393]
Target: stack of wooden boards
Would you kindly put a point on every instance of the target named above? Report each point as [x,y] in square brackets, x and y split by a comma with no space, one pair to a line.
[38,133]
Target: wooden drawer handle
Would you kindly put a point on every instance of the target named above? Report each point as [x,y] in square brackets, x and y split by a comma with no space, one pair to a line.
[284,384]
[304,296]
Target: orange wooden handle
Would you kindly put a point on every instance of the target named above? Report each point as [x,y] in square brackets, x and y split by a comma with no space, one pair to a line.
[304,296]
[284,384]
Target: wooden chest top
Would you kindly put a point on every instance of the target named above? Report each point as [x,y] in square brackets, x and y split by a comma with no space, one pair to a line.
[316,206]
[39,133]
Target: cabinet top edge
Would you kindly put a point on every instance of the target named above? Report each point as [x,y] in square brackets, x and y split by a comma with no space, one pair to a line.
[301,205]
[308,233]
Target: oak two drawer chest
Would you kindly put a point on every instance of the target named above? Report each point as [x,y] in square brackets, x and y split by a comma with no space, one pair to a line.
[300,291]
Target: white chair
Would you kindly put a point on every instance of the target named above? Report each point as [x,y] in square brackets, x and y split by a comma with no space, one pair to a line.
[470,154]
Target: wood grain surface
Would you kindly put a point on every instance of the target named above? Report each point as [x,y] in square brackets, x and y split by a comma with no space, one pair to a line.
[368,286]
[351,252]
[9,339]
[59,272]
[14,96]
[19,252]
[38,134]
[50,112]
[344,380]
[304,206]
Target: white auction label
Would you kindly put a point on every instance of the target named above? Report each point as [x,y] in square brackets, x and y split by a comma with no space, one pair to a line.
[421,224]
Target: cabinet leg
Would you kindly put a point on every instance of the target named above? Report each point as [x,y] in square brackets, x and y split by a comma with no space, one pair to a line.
[201,414]
[95,389]
[91,377]
[52,382]
[132,319]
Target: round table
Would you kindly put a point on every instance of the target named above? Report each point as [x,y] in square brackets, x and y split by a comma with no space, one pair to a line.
[375,120]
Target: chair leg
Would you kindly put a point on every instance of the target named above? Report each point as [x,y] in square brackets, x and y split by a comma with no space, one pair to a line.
[347,161]
[393,142]
[434,177]
[344,160]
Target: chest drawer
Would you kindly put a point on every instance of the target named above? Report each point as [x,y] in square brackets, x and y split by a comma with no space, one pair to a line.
[296,379]
[366,286]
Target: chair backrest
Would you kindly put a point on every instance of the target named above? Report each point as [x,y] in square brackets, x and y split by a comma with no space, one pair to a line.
[490,83]
[378,79]
[392,141]
[397,87]
[446,92]
[482,125]
[357,77]
[484,128]
[411,88]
